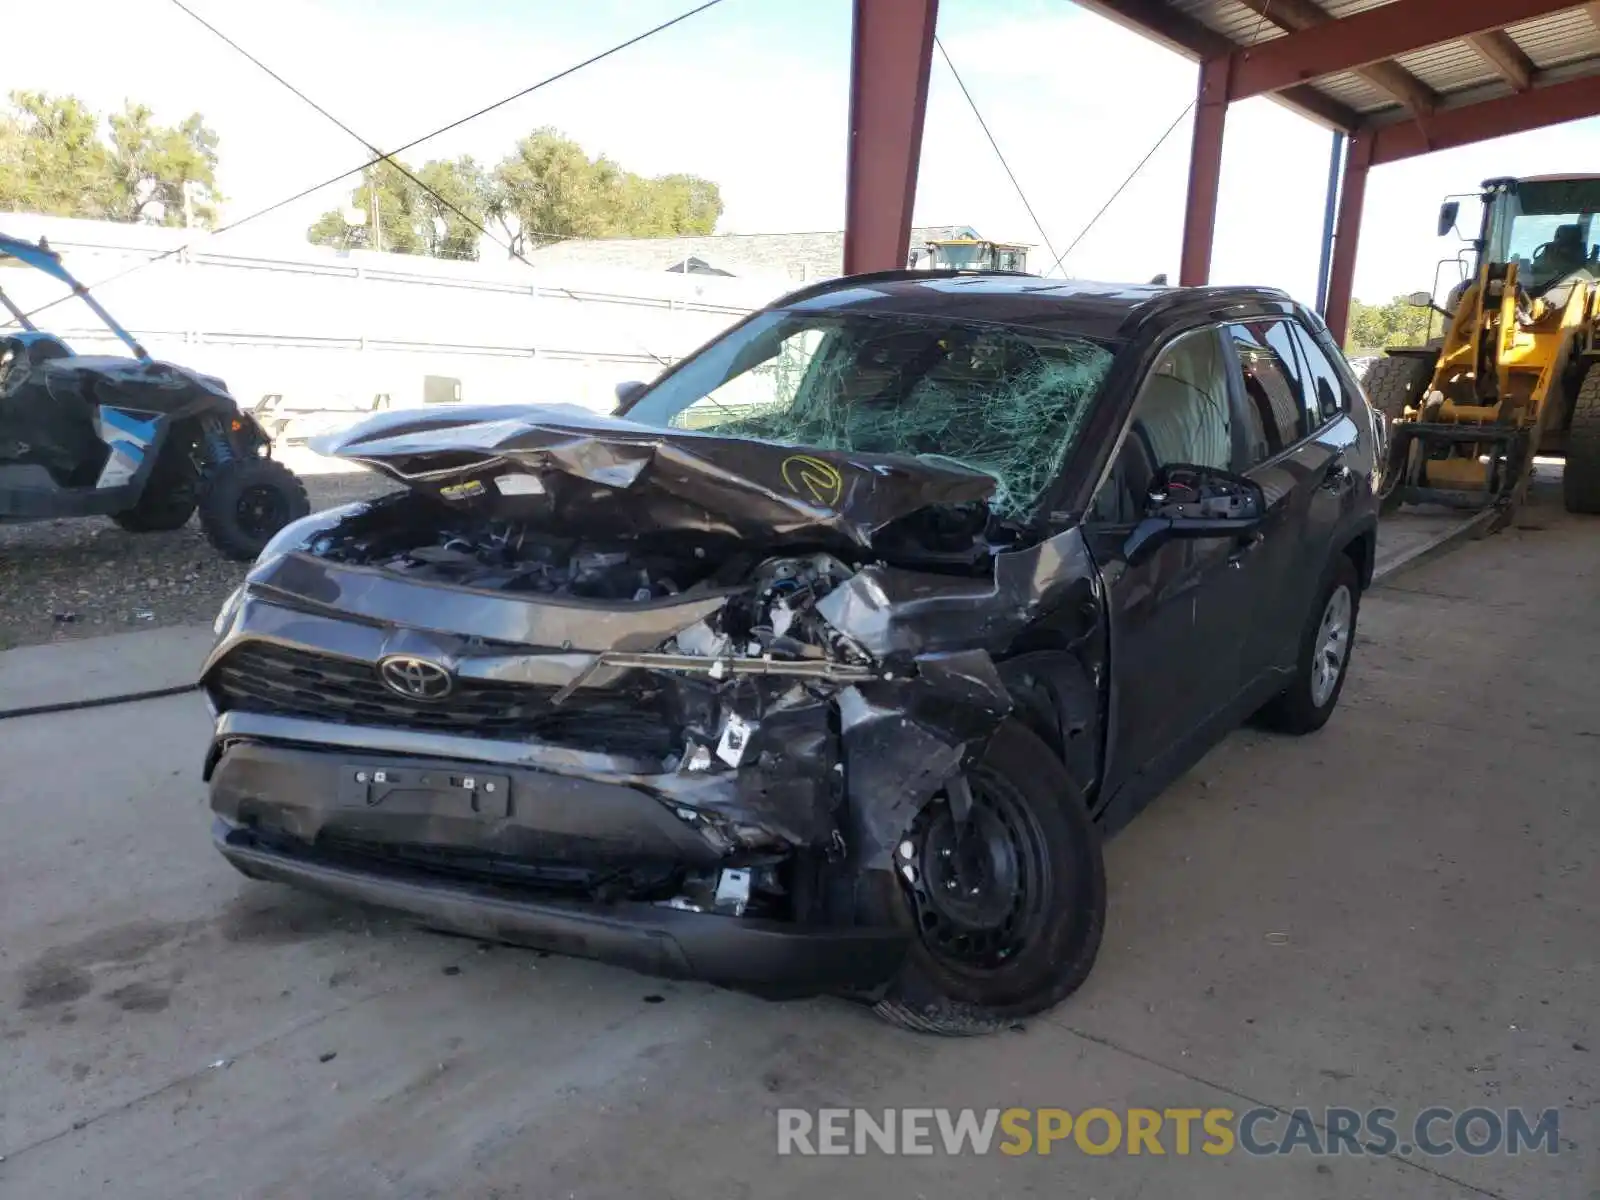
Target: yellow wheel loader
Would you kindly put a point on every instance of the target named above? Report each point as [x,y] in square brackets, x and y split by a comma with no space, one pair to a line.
[1517,372]
[970,254]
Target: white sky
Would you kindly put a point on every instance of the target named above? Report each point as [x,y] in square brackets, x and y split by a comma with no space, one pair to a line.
[754,94]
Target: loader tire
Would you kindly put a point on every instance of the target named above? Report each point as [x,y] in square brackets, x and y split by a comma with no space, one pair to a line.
[1392,383]
[1580,479]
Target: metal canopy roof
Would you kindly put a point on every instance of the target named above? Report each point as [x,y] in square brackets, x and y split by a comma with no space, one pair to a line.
[1451,71]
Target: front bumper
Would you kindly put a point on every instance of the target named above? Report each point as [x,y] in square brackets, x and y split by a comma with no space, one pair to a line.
[290,814]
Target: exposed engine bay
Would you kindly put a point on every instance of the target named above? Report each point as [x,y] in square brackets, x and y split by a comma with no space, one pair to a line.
[788,682]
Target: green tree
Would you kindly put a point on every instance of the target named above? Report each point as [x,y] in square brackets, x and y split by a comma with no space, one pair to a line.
[545,190]
[1397,323]
[54,160]
[411,218]
[451,230]
[62,167]
[165,174]
[548,188]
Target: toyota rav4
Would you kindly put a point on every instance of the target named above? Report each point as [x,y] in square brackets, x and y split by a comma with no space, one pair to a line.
[823,665]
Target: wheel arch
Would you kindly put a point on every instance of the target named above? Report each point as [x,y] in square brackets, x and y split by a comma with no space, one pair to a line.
[1361,548]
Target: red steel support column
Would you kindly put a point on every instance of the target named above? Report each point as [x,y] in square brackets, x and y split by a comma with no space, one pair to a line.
[890,57]
[1347,234]
[1205,172]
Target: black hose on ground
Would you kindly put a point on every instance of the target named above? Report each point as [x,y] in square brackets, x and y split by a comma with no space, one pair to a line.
[42,710]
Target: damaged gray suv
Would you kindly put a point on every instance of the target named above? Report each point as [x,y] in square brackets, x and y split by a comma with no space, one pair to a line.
[826,663]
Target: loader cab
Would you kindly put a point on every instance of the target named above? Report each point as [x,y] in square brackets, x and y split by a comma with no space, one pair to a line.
[1548,225]
[969,254]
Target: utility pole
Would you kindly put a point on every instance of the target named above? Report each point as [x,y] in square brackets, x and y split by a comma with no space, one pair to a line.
[377,230]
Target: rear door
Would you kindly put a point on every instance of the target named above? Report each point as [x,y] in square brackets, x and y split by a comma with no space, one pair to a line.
[1290,407]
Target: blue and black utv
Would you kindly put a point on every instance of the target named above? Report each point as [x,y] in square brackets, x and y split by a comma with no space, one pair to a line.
[145,443]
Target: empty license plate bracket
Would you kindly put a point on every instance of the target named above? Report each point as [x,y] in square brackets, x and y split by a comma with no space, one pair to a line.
[447,790]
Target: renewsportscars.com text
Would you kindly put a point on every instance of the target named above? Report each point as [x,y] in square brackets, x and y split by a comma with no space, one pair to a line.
[1433,1132]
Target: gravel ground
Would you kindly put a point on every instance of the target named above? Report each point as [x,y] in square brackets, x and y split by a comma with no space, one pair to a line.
[85,577]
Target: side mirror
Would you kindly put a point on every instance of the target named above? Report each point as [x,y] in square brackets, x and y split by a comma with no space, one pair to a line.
[1148,536]
[627,391]
[1448,212]
[1420,299]
[1195,502]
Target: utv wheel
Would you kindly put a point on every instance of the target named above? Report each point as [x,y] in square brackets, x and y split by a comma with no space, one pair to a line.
[1580,478]
[245,502]
[169,496]
[1392,383]
[1324,655]
[162,508]
[1008,910]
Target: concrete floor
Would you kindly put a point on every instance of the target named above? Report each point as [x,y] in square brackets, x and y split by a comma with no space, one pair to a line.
[1397,912]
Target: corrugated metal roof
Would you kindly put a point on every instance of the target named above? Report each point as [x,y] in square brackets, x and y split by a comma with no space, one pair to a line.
[1237,22]
[1353,91]
[1344,8]
[1559,38]
[1569,39]
[1449,67]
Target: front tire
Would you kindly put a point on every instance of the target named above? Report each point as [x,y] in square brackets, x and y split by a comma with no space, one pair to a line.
[1392,383]
[1323,660]
[246,501]
[1008,911]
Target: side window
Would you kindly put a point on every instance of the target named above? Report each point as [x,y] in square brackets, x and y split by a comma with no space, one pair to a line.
[1274,393]
[1181,416]
[1324,388]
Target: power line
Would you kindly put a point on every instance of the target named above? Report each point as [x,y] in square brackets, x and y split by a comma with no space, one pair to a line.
[1123,186]
[456,124]
[397,165]
[984,125]
[1149,154]
[386,157]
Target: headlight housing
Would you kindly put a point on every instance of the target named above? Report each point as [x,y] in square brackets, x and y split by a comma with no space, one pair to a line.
[230,606]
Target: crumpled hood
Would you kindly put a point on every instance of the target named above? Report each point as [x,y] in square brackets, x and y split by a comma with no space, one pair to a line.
[617,476]
[131,377]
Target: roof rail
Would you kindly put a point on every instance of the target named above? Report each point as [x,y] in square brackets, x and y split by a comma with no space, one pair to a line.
[838,283]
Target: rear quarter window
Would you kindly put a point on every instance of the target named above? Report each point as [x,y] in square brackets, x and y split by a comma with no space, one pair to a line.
[1326,396]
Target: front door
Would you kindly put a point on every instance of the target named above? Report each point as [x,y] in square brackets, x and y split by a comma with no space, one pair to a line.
[1179,618]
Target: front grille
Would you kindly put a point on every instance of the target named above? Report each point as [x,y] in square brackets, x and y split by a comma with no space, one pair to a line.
[263,678]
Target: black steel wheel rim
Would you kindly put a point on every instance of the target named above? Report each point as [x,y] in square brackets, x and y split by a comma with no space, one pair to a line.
[261,510]
[980,891]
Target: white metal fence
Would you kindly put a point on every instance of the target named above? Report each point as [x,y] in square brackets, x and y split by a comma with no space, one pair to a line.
[332,329]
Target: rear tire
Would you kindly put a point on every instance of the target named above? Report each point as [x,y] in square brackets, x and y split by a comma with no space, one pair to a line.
[1580,479]
[159,510]
[170,494]
[1323,660]
[1007,916]
[247,501]
[1392,383]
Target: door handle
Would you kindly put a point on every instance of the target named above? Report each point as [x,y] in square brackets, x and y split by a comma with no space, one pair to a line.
[1339,475]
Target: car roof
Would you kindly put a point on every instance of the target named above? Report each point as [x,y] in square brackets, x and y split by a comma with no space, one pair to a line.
[1105,311]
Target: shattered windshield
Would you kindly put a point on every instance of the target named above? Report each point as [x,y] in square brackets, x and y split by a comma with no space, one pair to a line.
[1007,402]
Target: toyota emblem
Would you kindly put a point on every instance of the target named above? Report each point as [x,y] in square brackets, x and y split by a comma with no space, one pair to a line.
[415,678]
